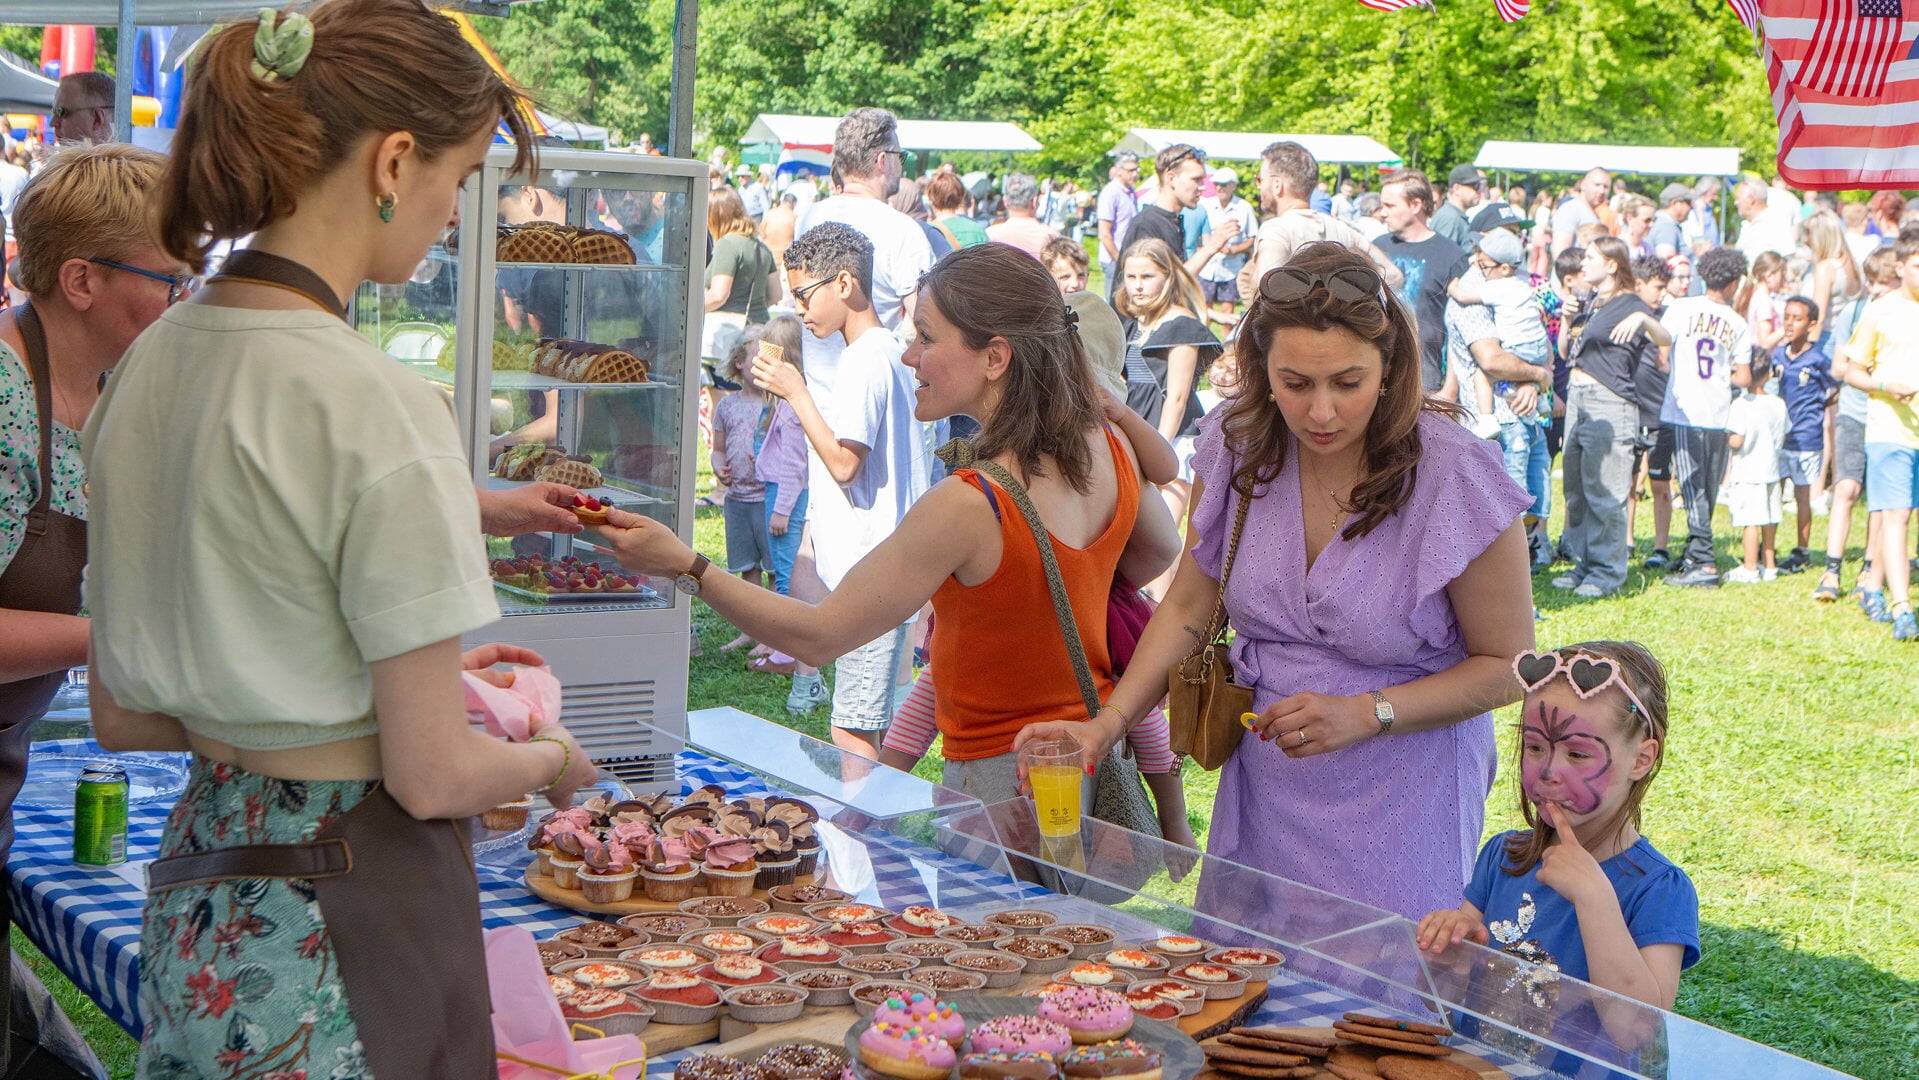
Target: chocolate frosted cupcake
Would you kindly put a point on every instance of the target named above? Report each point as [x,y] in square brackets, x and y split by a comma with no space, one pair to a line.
[773,847]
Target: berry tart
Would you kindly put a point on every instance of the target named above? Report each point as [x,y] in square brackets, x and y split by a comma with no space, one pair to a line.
[921,921]
[1217,980]
[739,971]
[610,1012]
[588,509]
[680,998]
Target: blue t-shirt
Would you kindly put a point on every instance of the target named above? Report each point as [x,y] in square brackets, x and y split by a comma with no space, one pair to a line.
[1805,381]
[1532,921]
[1193,223]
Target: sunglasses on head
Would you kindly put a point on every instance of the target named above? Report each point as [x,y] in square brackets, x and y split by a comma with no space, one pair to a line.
[1587,675]
[1347,285]
[1193,152]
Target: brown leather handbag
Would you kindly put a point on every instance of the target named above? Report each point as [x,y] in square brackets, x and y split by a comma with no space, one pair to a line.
[1203,703]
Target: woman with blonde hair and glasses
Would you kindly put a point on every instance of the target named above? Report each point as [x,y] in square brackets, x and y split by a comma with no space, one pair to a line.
[93,281]
[1378,590]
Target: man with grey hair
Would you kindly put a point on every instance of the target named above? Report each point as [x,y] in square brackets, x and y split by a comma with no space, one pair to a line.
[1118,205]
[1763,227]
[83,108]
[1702,226]
[866,160]
[1022,228]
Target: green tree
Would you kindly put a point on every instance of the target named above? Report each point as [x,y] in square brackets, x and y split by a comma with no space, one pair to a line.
[606,62]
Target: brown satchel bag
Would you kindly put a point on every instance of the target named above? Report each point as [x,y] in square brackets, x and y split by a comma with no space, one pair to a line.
[1203,703]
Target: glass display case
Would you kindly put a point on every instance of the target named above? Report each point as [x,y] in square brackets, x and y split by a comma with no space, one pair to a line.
[561,320]
[898,840]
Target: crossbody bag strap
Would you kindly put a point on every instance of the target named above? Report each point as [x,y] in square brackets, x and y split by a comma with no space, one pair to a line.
[1216,622]
[1062,606]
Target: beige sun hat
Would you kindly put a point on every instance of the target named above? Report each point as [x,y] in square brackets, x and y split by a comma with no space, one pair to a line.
[1105,341]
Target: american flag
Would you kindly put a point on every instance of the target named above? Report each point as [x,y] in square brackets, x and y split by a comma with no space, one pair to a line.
[1748,12]
[1853,45]
[1845,86]
[1512,10]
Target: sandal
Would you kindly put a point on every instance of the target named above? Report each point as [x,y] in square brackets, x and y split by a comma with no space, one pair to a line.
[766,665]
[1828,590]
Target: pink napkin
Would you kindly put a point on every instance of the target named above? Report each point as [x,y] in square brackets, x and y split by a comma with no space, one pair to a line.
[527,1023]
[510,711]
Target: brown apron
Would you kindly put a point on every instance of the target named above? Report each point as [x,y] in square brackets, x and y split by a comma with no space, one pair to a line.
[400,898]
[399,895]
[43,576]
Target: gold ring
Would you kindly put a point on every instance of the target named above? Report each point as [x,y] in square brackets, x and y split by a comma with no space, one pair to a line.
[1302,737]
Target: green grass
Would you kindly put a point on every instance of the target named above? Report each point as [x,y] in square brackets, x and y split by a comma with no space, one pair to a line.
[1790,794]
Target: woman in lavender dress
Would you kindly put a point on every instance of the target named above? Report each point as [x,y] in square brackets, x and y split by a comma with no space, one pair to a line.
[1383,564]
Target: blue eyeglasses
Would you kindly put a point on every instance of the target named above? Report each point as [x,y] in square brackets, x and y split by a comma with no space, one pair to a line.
[178,285]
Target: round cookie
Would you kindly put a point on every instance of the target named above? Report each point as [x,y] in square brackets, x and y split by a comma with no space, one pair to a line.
[1397,1025]
[1398,1067]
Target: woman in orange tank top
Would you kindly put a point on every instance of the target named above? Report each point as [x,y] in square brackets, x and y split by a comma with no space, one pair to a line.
[994,340]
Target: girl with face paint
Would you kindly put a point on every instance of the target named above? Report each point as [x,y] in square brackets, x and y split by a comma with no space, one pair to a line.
[1581,891]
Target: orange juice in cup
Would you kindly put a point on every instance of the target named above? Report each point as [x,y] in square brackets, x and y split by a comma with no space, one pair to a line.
[1055,770]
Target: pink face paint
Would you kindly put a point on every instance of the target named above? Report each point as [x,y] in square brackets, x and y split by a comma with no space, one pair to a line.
[1564,759]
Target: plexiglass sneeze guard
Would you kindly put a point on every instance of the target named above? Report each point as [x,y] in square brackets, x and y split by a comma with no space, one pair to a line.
[975,859]
[561,319]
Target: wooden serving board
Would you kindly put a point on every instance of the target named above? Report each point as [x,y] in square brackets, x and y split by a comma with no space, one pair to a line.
[542,886]
[829,1025]
[1486,1069]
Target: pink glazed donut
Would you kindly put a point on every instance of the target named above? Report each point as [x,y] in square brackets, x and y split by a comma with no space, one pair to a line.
[1092,1015]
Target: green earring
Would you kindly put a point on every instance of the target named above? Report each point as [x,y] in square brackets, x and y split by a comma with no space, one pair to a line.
[386,203]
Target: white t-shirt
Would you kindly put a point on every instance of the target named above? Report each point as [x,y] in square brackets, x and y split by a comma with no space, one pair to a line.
[1572,214]
[1298,227]
[12,179]
[901,255]
[1709,340]
[1516,314]
[1226,267]
[274,505]
[1761,421]
[871,403]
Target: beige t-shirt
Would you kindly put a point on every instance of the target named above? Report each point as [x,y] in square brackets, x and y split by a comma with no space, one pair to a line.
[1298,227]
[274,505]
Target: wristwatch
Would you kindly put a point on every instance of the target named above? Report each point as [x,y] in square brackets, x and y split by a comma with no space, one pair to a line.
[689,582]
[1383,712]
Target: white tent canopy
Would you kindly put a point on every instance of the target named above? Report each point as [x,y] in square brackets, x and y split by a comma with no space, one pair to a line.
[573,131]
[945,135]
[1246,145]
[1579,157]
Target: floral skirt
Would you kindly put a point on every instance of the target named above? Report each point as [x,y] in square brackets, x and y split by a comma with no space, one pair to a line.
[237,978]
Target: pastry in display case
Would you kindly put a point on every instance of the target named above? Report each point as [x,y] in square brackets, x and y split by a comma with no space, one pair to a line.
[561,320]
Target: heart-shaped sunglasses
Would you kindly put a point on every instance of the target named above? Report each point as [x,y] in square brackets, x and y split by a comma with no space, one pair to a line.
[1587,675]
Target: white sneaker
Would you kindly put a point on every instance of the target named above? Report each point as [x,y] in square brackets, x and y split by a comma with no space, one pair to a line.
[1739,575]
[1567,581]
[809,692]
[1770,573]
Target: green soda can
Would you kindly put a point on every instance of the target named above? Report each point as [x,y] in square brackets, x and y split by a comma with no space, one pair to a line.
[100,816]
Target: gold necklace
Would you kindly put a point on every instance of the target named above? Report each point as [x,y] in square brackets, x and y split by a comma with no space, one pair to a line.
[1339,507]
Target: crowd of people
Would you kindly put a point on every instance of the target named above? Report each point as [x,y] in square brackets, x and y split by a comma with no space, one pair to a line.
[1349,504]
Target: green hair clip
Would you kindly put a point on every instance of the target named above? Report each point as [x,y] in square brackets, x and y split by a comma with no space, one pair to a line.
[279,52]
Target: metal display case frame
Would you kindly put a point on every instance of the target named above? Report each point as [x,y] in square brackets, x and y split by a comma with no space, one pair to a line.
[622,661]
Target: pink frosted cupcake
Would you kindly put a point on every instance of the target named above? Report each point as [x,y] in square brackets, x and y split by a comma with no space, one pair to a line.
[608,873]
[729,867]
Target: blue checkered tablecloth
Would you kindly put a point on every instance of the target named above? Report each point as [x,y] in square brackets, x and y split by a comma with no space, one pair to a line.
[87,919]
